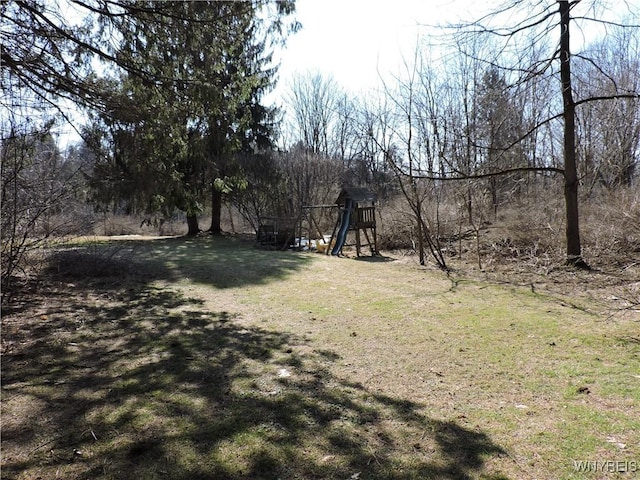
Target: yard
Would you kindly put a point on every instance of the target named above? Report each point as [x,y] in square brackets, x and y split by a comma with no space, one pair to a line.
[207,358]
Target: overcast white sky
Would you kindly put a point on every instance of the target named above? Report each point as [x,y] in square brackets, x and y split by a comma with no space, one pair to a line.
[353,40]
[350,38]
[356,41]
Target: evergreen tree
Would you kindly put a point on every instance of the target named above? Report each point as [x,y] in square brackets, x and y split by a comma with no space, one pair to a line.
[175,139]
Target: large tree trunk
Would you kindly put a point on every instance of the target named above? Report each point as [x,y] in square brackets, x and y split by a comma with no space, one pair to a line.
[216,212]
[574,253]
[192,224]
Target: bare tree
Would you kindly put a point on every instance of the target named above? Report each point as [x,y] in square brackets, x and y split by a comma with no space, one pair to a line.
[539,25]
[373,140]
[410,155]
[37,186]
[609,132]
[574,247]
[313,100]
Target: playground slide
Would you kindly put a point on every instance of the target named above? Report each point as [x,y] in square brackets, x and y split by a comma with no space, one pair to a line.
[341,237]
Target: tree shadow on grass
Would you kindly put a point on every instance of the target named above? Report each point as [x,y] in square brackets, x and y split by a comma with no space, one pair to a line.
[378,258]
[221,262]
[113,377]
[141,382]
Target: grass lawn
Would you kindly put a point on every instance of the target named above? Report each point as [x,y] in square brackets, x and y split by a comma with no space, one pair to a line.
[210,359]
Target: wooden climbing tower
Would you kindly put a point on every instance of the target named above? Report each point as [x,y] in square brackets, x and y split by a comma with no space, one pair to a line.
[358,215]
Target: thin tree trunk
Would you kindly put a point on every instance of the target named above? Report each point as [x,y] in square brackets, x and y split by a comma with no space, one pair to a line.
[574,253]
[216,212]
[420,223]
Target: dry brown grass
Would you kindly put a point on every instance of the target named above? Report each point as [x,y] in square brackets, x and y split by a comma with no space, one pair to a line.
[528,235]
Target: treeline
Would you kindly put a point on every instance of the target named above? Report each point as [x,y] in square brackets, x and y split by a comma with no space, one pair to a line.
[481,125]
[492,115]
[174,93]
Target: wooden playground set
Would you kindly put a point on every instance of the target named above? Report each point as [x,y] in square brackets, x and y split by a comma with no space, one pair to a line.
[354,211]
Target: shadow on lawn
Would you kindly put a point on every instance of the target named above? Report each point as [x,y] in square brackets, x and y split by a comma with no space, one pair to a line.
[140,382]
[221,262]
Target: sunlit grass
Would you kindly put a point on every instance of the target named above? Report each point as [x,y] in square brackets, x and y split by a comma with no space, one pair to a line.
[213,359]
